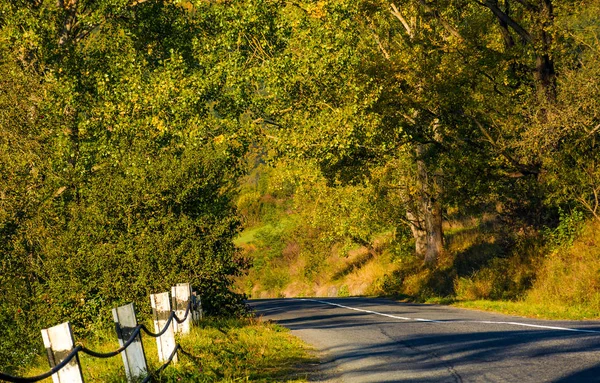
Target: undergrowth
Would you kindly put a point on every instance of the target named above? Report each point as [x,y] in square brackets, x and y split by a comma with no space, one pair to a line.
[551,273]
[224,350]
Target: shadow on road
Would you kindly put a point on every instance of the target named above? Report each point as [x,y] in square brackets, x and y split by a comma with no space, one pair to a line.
[452,351]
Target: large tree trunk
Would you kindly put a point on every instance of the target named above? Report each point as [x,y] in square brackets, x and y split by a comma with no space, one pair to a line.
[417,228]
[433,225]
[424,211]
[426,228]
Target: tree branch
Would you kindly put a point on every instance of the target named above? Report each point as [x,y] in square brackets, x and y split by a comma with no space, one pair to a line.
[528,6]
[593,131]
[523,169]
[509,42]
[376,37]
[589,207]
[69,22]
[506,19]
[398,15]
[446,25]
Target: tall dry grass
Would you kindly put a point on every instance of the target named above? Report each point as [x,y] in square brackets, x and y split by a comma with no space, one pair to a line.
[486,264]
[569,277]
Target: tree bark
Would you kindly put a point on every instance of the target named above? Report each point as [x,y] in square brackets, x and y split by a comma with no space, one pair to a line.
[426,228]
[417,228]
[69,7]
[435,238]
[545,75]
[509,42]
[430,186]
[504,18]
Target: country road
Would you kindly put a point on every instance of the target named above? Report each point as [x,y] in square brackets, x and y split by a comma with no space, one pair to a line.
[379,340]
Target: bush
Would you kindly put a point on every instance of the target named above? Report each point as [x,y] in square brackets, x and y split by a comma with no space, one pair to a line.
[119,157]
[569,226]
[571,274]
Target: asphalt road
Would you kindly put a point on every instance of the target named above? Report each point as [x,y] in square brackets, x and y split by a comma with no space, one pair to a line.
[378,340]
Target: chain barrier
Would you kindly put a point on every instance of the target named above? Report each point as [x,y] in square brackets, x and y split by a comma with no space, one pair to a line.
[101,355]
[55,369]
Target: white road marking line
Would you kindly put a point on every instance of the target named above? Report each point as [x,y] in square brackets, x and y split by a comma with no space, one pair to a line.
[453,321]
[273,309]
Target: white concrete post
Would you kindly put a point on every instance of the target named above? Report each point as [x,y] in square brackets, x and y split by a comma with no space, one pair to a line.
[197,307]
[134,359]
[181,294]
[161,309]
[59,342]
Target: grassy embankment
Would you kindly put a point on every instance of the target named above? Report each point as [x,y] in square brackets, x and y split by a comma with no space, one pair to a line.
[487,265]
[235,350]
[566,285]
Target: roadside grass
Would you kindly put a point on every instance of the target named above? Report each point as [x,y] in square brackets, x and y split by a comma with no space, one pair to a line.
[523,308]
[564,281]
[224,350]
[487,265]
[530,310]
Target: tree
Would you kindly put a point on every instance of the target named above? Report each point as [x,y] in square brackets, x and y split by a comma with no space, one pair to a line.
[124,138]
[363,84]
[355,93]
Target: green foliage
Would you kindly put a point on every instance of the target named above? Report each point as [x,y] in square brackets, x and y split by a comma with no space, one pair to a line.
[389,113]
[24,133]
[265,193]
[225,350]
[268,260]
[122,135]
[568,228]
[126,128]
[344,292]
[568,276]
[304,221]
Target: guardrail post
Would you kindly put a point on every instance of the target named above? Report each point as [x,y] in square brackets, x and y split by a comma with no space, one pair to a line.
[196,307]
[59,342]
[134,358]
[161,310]
[181,294]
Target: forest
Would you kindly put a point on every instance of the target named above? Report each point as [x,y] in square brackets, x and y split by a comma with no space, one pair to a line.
[443,151]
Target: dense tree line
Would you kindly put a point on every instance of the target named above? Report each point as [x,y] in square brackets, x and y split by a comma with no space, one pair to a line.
[120,145]
[124,126]
[454,104]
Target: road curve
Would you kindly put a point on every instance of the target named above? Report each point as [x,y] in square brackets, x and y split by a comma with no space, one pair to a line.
[379,340]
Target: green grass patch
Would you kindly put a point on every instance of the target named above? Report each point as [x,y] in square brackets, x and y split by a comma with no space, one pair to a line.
[530,310]
[440,300]
[249,235]
[232,350]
